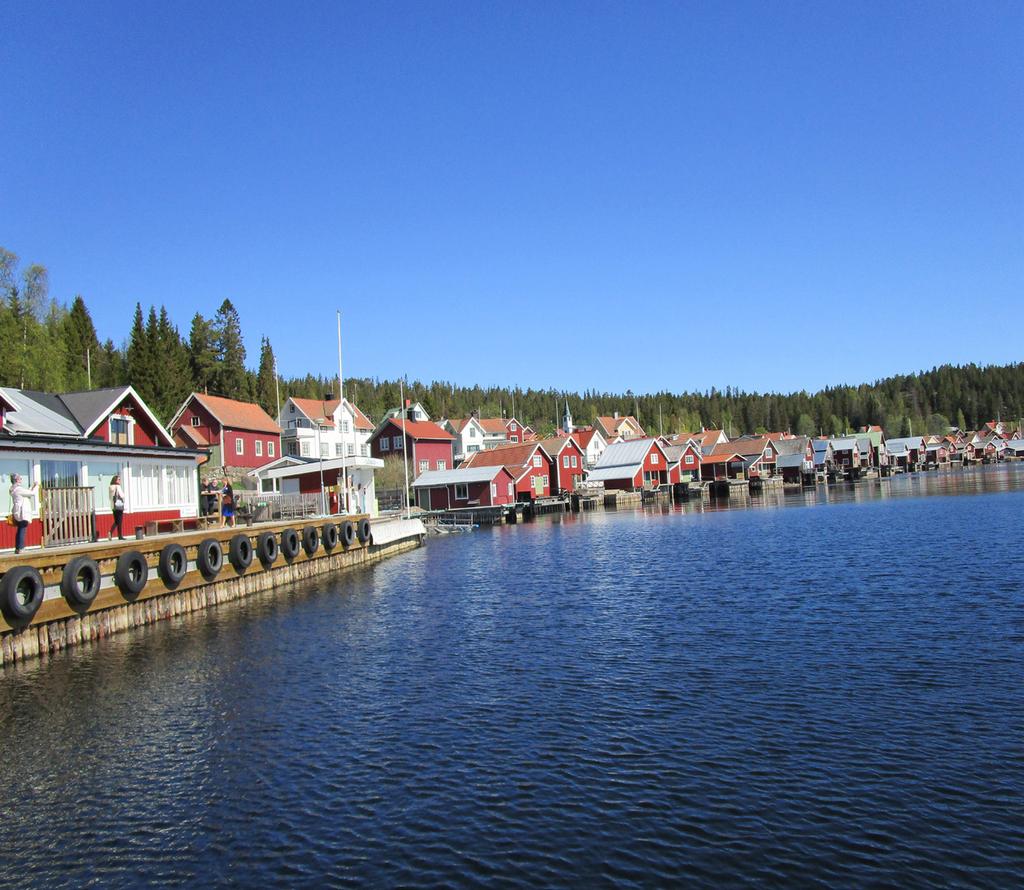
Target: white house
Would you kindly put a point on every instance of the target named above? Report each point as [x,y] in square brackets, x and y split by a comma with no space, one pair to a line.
[326,428]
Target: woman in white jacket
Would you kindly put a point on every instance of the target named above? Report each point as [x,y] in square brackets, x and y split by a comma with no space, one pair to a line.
[20,509]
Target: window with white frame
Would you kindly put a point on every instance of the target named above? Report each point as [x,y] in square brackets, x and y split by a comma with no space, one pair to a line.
[259,448]
[424,466]
[442,465]
[194,420]
[574,464]
[270,448]
[514,439]
[461,491]
[305,449]
[177,485]
[511,489]
[144,484]
[239,445]
[512,427]
[344,426]
[350,449]
[120,430]
[98,479]
[364,450]
[688,459]
[24,469]
[544,481]
[565,461]
[337,449]
[385,443]
[536,460]
[325,449]
[654,457]
[494,490]
[472,432]
[397,443]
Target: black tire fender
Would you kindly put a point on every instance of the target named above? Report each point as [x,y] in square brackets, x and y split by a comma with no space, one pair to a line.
[80,582]
[363,532]
[329,536]
[289,544]
[348,534]
[173,565]
[209,558]
[310,540]
[131,574]
[267,549]
[240,553]
[21,594]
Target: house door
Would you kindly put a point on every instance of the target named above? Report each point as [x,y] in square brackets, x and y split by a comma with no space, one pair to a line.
[538,486]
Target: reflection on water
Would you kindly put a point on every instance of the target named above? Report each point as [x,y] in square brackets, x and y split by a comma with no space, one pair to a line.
[652,697]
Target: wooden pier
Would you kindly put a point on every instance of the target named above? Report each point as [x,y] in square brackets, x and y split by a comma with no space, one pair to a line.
[85,594]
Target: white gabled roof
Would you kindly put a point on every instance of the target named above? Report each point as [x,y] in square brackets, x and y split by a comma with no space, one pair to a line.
[438,478]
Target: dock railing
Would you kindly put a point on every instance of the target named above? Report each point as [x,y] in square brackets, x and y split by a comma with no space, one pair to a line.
[272,506]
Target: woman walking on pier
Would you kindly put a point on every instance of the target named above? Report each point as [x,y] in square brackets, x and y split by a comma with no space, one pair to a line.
[117,506]
[20,511]
[227,505]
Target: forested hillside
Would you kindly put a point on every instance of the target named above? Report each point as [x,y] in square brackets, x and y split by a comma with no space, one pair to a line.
[46,345]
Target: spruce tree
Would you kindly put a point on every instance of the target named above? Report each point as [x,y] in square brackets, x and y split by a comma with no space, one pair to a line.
[266,379]
[202,354]
[81,345]
[139,357]
[229,379]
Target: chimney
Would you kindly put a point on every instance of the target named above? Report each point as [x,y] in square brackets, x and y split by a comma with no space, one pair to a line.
[408,403]
[328,396]
[616,415]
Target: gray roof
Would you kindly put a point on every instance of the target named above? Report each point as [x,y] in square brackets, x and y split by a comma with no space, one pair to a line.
[1015,444]
[796,445]
[89,407]
[790,460]
[463,476]
[38,412]
[821,445]
[629,453]
[900,446]
[843,443]
[603,474]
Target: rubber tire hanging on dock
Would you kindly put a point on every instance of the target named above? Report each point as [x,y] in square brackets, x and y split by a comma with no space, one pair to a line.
[131,574]
[209,558]
[310,540]
[173,565]
[329,536]
[240,553]
[348,534]
[267,549]
[21,594]
[80,582]
[363,531]
[290,544]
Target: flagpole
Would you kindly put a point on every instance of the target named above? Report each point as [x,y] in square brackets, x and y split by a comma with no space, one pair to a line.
[343,500]
[405,446]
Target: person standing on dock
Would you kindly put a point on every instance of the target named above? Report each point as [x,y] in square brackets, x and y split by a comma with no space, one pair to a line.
[116,507]
[20,511]
[227,505]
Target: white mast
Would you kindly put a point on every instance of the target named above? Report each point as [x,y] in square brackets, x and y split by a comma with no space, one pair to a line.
[405,445]
[343,500]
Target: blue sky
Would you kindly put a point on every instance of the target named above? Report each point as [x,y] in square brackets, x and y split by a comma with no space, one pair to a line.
[774,196]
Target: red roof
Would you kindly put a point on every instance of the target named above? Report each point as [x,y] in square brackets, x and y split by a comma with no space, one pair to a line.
[721,458]
[583,437]
[516,455]
[746,447]
[610,425]
[554,445]
[419,429]
[193,435]
[237,415]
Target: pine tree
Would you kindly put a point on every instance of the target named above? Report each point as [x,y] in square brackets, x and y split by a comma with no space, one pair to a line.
[229,378]
[81,345]
[140,359]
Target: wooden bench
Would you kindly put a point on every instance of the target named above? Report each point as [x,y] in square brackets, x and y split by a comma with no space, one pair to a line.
[170,526]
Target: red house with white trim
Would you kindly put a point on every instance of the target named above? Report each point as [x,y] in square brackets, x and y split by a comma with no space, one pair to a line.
[429,446]
[567,462]
[632,465]
[486,486]
[81,440]
[238,434]
[528,462]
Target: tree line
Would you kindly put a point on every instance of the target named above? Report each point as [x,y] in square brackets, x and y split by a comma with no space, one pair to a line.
[51,347]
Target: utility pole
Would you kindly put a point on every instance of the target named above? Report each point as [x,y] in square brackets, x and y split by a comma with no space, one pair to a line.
[88,367]
[343,500]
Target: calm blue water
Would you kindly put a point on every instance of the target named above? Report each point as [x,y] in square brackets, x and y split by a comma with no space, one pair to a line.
[795,693]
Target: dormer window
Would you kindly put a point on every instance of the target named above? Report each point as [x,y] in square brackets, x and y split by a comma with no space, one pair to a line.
[120,430]
[512,427]
[194,420]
